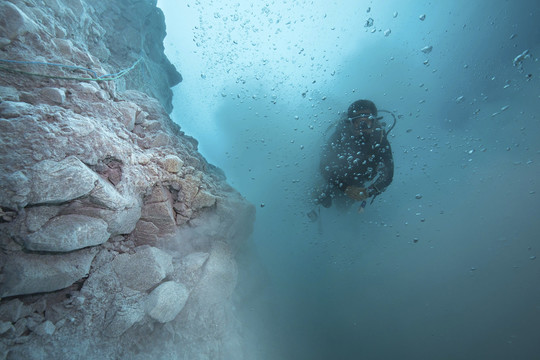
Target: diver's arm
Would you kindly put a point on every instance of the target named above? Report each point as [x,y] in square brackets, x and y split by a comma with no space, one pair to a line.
[385,169]
[329,157]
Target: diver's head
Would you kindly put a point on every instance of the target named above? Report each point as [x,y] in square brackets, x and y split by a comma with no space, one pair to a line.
[362,116]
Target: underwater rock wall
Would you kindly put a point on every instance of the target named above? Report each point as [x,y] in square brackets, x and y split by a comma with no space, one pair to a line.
[117,238]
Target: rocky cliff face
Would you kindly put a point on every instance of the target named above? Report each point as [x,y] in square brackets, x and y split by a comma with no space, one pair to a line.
[117,238]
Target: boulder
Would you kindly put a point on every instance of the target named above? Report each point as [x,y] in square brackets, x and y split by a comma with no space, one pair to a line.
[67,233]
[144,269]
[8,93]
[14,22]
[166,301]
[219,276]
[55,182]
[160,214]
[13,310]
[124,316]
[32,273]
[53,95]
[173,164]
[46,328]
[203,199]
[37,216]
[189,269]
[15,189]
[145,232]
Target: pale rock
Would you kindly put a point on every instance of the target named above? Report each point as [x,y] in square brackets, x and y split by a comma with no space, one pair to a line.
[102,95]
[145,232]
[161,139]
[124,317]
[46,328]
[122,221]
[235,218]
[143,159]
[14,109]
[219,276]
[183,213]
[86,88]
[144,269]
[5,326]
[159,194]
[166,301]
[37,216]
[65,47]
[203,199]
[160,214]
[141,117]
[106,195]
[14,22]
[8,93]
[20,327]
[60,32]
[37,273]
[79,9]
[189,269]
[54,95]
[15,189]
[13,310]
[67,233]
[190,187]
[129,112]
[173,164]
[58,182]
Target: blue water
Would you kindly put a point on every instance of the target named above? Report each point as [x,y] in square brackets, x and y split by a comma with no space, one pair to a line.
[443,264]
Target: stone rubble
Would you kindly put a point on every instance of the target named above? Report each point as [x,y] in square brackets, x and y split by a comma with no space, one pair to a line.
[117,238]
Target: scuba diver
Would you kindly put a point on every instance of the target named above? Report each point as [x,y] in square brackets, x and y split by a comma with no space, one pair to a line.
[356,162]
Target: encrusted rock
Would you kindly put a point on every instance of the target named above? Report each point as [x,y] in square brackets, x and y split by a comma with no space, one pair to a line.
[144,269]
[166,301]
[189,269]
[160,214]
[129,112]
[46,328]
[121,221]
[106,195]
[159,194]
[173,164]
[161,139]
[33,273]
[15,189]
[219,276]
[54,95]
[12,109]
[67,233]
[203,199]
[190,187]
[37,216]
[14,22]
[123,317]
[13,310]
[5,326]
[146,233]
[56,182]
[8,93]
[143,159]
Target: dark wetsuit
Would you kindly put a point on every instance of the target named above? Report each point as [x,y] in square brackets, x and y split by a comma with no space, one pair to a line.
[349,160]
